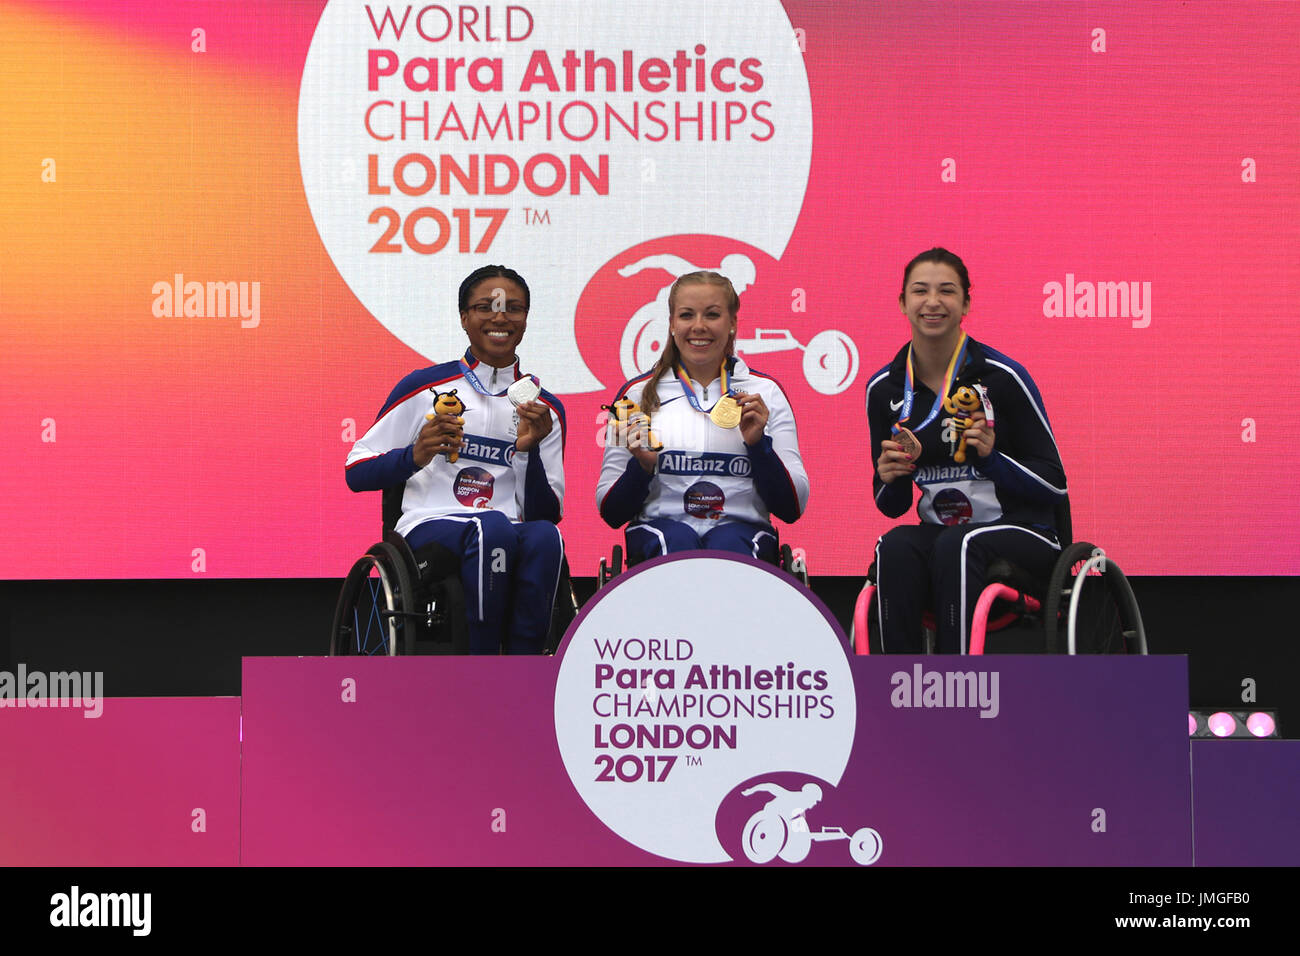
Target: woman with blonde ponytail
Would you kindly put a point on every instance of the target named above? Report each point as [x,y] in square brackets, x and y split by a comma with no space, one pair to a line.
[727,457]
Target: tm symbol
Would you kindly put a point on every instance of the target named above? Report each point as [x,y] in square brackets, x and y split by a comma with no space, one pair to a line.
[692,761]
[536,217]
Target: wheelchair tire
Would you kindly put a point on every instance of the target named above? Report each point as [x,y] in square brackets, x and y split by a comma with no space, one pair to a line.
[1106,616]
[865,846]
[764,837]
[787,561]
[564,611]
[373,616]
[608,572]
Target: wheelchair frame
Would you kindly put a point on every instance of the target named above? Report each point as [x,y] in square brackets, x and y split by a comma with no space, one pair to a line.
[1084,582]
[608,570]
[398,601]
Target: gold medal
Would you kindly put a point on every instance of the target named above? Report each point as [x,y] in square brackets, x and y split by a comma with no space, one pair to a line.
[726,413]
[908,442]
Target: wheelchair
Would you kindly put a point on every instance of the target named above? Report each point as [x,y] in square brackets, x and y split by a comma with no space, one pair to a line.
[398,601]
[792,562]
[1084,606]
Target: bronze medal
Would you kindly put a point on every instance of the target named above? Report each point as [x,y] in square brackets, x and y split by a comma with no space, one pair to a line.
[908,442]
[726,413]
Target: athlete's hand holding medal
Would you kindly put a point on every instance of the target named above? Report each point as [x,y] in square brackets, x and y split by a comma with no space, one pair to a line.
[534,417]
[898,456]
[900,452]
[743,410]
[969,405]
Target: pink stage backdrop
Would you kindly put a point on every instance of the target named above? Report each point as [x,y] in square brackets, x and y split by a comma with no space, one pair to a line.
[120,781]
[230,228]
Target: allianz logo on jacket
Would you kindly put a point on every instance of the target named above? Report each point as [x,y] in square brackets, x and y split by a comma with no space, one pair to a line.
[703,463]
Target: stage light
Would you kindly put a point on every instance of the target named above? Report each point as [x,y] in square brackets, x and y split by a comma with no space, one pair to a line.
[1261,724]
[1221,724]
[1232,723]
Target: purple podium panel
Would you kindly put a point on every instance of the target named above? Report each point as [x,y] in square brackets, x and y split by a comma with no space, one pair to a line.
[1080,760]
[728,725]
[412,761]
[1247,799]
[146,782]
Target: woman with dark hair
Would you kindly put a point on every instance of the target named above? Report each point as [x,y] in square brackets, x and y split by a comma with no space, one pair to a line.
[966,425]
[479,447]
[710,451]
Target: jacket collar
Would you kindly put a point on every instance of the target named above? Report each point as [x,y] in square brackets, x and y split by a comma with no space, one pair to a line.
[973,366]
[480,369]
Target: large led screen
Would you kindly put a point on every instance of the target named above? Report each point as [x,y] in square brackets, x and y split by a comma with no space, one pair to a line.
[229,229]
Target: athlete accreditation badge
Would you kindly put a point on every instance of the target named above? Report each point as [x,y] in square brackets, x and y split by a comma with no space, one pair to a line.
[726,413]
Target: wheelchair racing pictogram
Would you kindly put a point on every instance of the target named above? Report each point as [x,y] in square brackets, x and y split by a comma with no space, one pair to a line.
[830,359]
[780,828]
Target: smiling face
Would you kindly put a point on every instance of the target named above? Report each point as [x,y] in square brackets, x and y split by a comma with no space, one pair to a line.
[703,327]
[934,302]
[495,318]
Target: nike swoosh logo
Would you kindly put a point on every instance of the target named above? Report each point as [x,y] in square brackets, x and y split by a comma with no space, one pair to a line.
[895,406]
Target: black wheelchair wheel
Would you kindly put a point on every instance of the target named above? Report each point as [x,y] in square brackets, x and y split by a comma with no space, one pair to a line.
[373,614]
[796,569]
[564,610]
[607,572]
[1106,616]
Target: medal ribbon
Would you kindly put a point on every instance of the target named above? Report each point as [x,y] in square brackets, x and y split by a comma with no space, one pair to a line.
[479,387]
[954,364]
[688,387]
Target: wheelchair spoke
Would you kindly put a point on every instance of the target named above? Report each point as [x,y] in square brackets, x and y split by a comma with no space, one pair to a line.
[375,643]
[368,618]
[360,634]
[1098,624]
[362,617]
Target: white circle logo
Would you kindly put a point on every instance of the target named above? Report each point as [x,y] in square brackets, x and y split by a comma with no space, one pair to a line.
[548,136]
[688,677]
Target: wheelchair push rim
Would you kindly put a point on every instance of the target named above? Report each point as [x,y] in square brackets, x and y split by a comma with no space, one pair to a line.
[1090,607]
[370,619]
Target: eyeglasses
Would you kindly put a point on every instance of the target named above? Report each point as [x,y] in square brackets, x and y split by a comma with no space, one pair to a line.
[484,309]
